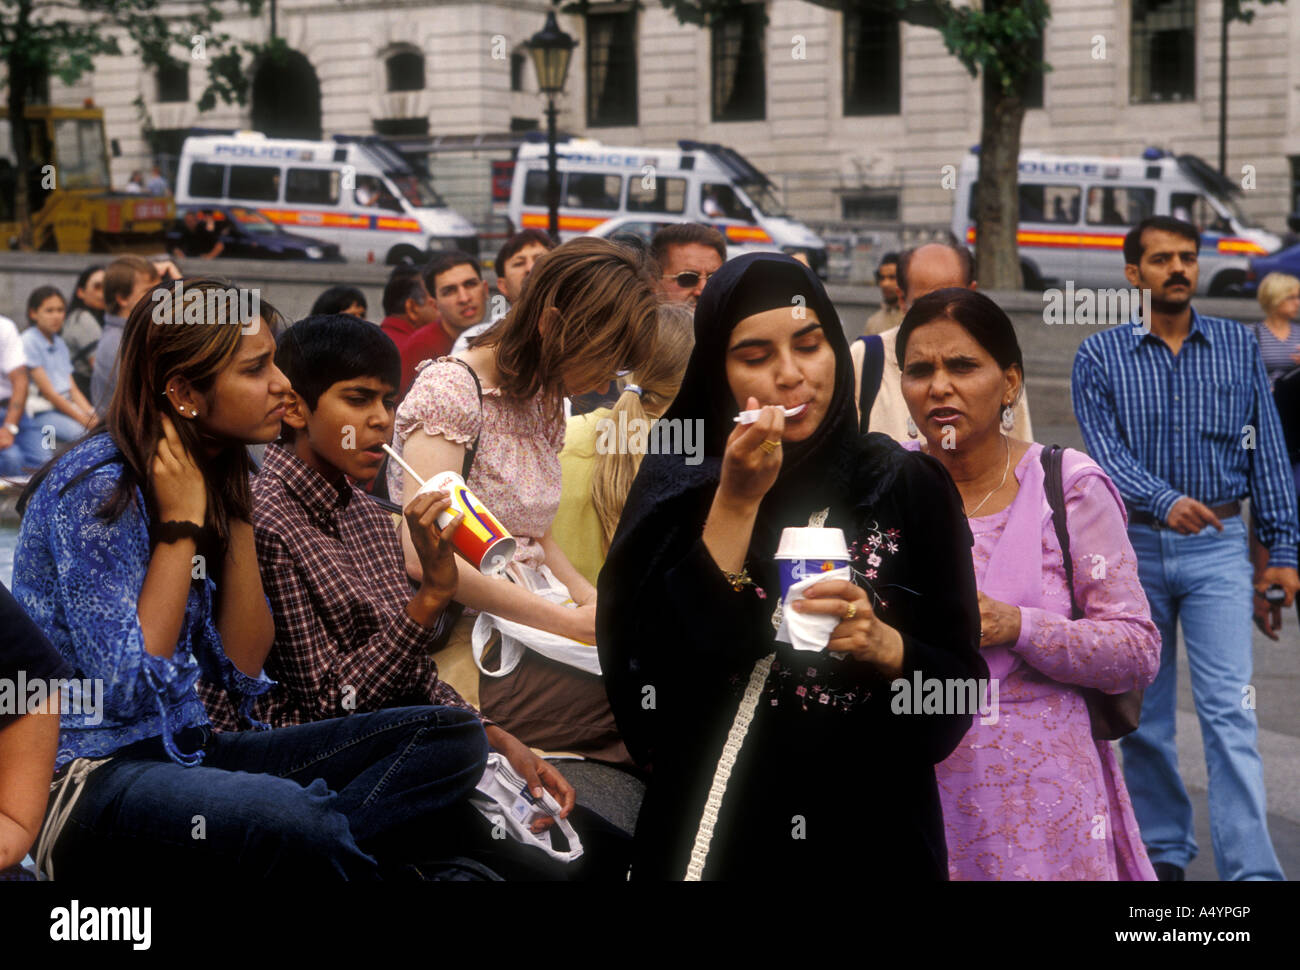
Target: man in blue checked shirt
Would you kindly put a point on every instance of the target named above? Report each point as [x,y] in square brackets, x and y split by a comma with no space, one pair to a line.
[1177,410]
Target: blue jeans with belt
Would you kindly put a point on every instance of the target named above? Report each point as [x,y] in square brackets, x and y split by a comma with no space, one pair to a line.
[1202,581]
[356,797]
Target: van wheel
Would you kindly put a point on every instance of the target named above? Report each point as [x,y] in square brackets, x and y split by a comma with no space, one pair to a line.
[404,255]
[1227,283]
[1029,277]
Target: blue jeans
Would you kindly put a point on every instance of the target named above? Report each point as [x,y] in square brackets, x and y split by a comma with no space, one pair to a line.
[37,447]
[1204,581]
[356,797]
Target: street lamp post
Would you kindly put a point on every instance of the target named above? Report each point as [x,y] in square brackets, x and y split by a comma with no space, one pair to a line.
[551,50]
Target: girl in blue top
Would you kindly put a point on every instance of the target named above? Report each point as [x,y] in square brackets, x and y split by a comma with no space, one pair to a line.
[136,558]
[57,412]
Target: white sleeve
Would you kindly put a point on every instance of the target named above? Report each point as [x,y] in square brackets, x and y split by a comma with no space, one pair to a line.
[12,353]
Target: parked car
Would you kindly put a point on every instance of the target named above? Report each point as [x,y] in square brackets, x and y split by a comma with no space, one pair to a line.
[643,229]
[248,234]
[1282,261]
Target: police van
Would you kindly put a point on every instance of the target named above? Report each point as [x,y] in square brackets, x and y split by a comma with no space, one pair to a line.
[1075,211]
[355,192]
[695,182]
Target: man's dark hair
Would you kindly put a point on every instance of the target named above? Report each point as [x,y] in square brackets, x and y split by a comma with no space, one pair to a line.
[318,352]
[1133,241]
[886,260]
[337,299]
[683,234]
[445,261]
[963,254]
[527,237]
[398,289]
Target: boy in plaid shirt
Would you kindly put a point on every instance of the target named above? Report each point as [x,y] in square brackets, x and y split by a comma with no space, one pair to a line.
[350,635]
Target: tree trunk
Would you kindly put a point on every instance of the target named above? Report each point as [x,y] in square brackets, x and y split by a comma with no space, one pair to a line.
[997,258]
[17,104]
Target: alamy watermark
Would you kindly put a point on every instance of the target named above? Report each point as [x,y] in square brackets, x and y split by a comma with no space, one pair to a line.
[952,695]
[208,304]
[77,698]
[1097,308]
[641,436]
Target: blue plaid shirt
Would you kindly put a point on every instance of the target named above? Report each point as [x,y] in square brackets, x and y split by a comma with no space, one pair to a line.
[1201,423]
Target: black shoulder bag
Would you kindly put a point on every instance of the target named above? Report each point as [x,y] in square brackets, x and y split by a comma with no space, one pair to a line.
[1112,715]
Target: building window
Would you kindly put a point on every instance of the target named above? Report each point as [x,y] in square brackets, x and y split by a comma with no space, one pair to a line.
[38,85]
[739,72]
[872,68]
[405,71]
[611,69]
[870,206]
[173,82]
[1163,66]
[518,67]
[1033,93]
[398,127]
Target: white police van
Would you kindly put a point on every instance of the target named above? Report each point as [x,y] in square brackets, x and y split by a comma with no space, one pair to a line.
[355,192]
[1075,211]
[695,182]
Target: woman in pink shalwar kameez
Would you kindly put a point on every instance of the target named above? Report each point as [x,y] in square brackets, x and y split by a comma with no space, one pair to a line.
[1029,794]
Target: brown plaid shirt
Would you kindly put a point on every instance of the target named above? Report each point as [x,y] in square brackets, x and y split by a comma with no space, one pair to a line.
[332,567]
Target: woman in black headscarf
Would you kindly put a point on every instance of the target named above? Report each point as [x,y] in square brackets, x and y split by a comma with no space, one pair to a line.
[829,780]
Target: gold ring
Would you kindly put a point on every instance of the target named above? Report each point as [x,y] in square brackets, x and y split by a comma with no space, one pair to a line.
[770,446]
[851,612]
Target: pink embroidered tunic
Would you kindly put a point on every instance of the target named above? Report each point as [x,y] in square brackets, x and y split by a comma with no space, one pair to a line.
[516,469]
[1032,795]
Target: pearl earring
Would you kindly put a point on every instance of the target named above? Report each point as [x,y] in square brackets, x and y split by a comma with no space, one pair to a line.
[912,431]
[1008,418]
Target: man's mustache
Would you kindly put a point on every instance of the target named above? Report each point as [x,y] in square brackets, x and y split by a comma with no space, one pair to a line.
[1178,278]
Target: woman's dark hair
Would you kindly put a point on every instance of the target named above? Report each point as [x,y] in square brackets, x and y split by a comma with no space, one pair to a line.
[40,295]
[317,353]
[975,313]
[77,303]
[159,344]
[337,299]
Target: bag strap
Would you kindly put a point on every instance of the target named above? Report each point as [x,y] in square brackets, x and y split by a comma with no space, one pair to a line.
[472,450]
[1054,486]
[66,790]
[735,738]
[873,369]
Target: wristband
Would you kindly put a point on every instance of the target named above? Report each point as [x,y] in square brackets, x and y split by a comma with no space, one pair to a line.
[174,531]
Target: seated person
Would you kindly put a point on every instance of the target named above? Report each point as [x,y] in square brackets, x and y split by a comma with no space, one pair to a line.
[199,237]
[28,739]
[349,633]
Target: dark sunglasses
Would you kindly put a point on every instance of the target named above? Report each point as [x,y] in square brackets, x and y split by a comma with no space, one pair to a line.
[689,279]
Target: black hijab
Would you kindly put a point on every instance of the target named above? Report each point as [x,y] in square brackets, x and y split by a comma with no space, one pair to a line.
[832,467]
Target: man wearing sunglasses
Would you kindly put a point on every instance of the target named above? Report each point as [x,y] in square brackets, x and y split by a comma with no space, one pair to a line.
[686,255]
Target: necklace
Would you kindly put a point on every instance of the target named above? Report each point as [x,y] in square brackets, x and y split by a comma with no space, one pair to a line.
[1005,471]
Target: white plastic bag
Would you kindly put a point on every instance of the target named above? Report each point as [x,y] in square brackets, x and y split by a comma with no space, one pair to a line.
[518,637]
[504,800]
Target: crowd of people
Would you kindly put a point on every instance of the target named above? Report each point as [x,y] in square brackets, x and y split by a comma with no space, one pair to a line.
[301,678]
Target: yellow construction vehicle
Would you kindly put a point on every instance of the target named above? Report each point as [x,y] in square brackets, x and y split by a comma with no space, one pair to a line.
[73,206]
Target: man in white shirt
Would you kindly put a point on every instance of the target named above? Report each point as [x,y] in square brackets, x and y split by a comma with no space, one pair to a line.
[922,270]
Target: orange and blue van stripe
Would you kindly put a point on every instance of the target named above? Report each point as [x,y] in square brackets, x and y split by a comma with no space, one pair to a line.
[340,220]
[1227,245]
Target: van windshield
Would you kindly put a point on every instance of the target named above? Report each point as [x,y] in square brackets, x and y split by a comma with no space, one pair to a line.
[1235,210]
[765,198]
[417,191]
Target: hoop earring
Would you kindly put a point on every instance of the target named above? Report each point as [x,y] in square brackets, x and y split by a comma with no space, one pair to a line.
[1008,418]
[912,432]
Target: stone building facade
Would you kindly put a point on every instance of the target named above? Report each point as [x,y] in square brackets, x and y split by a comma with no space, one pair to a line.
[851,115]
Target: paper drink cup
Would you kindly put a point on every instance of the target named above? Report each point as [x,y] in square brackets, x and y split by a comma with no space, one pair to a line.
[481,538]
[807,552]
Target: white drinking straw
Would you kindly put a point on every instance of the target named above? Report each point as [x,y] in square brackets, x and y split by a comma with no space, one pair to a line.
[409,470]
